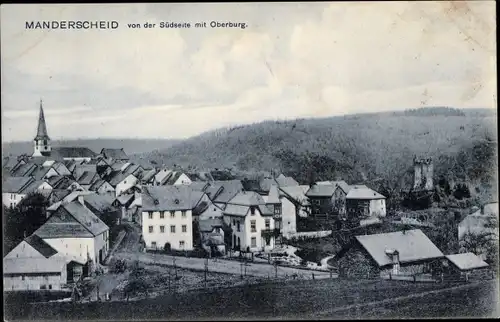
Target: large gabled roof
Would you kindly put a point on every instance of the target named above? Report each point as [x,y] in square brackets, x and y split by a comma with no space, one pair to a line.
[15,184]
[116,154]
[466,261]
[412,246]
[170,198]
[40,245]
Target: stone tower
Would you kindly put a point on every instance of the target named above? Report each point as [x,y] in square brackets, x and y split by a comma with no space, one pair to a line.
[423,174]
[42,140]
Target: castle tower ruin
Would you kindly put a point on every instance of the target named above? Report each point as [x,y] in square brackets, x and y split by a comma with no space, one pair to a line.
[423,174]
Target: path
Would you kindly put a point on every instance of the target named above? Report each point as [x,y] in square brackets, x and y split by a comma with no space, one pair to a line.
[223,266]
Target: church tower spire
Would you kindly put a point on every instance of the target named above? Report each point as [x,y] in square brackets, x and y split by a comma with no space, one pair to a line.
[42,140]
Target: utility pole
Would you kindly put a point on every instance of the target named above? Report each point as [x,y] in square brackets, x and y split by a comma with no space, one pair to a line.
[241,268]
[206,271]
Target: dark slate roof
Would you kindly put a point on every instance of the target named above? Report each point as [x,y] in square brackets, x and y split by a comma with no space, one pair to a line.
[87,178]
[200,176]
[59,194]
[199,185]
[286,181]
[251,185]
[115,154]
[63,230]
[86,217]
[40,245]
[247,198]
[200,208]
[325,190]
[230,189]
[363,192]
[173,178]
[207,225]
[15,184]
[40,172]
[97,184]
[33,186]
[72,152]
[99,203]
[9,162]
[148,175]
[24,170]
[166,198]
[117,176]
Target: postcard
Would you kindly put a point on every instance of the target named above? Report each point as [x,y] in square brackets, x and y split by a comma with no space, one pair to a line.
[223,161]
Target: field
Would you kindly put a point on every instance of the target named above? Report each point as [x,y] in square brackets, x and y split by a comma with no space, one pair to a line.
[305,299]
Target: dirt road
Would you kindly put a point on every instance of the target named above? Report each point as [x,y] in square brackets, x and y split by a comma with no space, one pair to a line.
[223,266]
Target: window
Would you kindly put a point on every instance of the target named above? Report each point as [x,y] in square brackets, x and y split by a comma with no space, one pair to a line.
[22,277]
[234,222]
[254,242]
[162,229]
[162,214]
[277,209]
[217,230]
[184,214]
[268,241]
[184,228]
[50,286]
[268,224]
[150,215]
[150,229]
[172,214]
[181,244]
[45,143]
[238,226]
[153,244]
[252,210]
[253,227]
[172,228]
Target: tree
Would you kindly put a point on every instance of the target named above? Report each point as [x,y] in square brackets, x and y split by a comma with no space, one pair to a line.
[24,219]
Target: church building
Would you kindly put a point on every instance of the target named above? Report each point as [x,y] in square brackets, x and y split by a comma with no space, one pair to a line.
[43,146]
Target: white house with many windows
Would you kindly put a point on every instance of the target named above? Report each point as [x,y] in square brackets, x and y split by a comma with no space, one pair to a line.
[167,216]
[251,221]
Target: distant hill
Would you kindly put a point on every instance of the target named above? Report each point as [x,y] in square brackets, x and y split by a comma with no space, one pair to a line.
[131,146]
[357,148]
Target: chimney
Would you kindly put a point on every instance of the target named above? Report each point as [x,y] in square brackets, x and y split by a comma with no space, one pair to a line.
[80,200]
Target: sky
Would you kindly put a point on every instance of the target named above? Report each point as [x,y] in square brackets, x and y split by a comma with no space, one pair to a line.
[293,60]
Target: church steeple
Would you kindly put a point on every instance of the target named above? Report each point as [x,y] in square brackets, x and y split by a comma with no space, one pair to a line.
[42,140]
[41,134]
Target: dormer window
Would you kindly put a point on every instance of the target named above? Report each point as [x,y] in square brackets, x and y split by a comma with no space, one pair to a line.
[252,210]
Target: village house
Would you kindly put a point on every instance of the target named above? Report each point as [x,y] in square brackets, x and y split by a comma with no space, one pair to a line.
[121,181]
[482,226]
[73,230]
[321,198]
[35,261]
[221,192]
[102,187]
[148,176]
[407,252]
[251,221]
[212,235]
[167,221]
[15,189]
[273,202]
[293,203]
[364,204]
[22,274]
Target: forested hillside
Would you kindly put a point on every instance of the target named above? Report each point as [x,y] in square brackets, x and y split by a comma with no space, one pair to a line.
[357,148]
